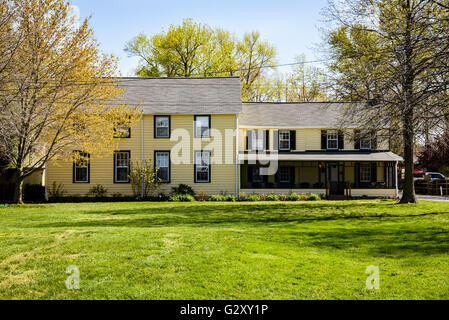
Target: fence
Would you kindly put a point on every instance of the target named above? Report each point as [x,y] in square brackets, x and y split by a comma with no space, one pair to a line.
[436,188]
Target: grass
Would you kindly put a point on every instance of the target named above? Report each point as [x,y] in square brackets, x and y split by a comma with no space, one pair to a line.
[270,250]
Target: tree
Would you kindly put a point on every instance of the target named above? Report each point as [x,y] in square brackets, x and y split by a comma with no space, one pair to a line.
[65,97]
[435,156]
[194,49]
[143,178]
[391,56]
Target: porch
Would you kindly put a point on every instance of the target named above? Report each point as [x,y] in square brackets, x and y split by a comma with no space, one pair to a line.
[327,176]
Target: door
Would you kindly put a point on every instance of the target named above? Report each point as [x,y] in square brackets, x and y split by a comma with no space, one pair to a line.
[334,179]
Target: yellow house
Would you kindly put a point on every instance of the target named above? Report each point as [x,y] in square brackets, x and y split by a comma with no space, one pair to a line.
[198,132]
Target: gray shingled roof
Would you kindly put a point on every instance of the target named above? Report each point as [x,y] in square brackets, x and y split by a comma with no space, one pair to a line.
[219,95]
[292,115]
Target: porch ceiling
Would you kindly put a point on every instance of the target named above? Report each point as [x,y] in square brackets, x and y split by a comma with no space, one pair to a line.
[374,156]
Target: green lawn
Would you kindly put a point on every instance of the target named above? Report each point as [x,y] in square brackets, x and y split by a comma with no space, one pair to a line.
[307,250]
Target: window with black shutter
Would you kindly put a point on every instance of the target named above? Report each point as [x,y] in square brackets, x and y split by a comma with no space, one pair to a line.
[81,167]
[293,140]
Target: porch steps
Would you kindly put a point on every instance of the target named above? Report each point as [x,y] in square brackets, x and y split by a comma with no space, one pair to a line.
[339,197]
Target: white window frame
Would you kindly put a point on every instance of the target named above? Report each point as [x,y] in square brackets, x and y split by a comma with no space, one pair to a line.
[367,146]
[201,163]
[258,137]
[79,167]
[365,177]
[332,136]
[283,139]
[167,165]
[157,127]
[121,166]
[199,128]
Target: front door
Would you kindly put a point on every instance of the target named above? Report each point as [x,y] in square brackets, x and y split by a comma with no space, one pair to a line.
[334,178]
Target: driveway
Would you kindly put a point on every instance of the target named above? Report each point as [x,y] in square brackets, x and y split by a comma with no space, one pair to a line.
[433,198]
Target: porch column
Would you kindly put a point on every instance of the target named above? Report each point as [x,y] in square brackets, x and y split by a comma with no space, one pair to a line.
[396,178]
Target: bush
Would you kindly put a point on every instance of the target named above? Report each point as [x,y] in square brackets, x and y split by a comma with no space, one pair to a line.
[98,191]
[294,197]
[263,197]
[56,190]
[272,197]
[283,197]
[202,196]
[182,198]
[217,198]
[304,197]
[231,198]
[34,193]
[242,196]
[253,198]
[314,197]
[183,189]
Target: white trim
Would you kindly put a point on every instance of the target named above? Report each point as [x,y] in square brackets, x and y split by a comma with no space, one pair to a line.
[156,127]
[292,127]
[289,140]
[396,178]
[237,165]
[327,139]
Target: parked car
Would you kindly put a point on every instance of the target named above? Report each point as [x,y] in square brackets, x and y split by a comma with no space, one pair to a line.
[434,176]
[418,175]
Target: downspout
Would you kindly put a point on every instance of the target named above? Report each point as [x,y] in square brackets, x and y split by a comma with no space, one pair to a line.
[142,151]
[237,165]
[45,182]
[396,179]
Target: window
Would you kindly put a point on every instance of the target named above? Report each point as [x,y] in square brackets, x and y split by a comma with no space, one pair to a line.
[163,164]
[81,168]
[121,166]
[284,174]
[332,139]
[365,140]
[365,172]
[284,140]
[162,126]
[202,126]
[256,175]
[202,166]
[258,140]
[123,131]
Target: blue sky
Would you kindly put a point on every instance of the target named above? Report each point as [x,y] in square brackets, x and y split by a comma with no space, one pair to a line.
[292,26]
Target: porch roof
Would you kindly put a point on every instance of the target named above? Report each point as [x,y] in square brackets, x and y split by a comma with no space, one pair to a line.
[322,156]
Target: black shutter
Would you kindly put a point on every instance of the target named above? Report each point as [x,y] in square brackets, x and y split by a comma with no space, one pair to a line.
[293,140]
[292,175]
[341,139]
[373,140]
[276,140]
[357,174]
[73,172]
[88,168]
[374,172]
[115,163]
[324,139]
[267,139]
[357,139]
[277,176]
[249,139]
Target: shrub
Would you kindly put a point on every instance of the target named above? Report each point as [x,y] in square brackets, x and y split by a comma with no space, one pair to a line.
[314,197]
[182,198]
[34,192]
[98,191]
[283,197]
[202,196]
[263,197]
[294,197]
[56,190]
[253,198]
[272,197]
[217,198]
[143,175]
[242,196]
[304,197]
[183,189]
[231,198]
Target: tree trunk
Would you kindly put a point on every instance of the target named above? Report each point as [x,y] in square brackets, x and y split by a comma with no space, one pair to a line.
[408,195]
[18,191]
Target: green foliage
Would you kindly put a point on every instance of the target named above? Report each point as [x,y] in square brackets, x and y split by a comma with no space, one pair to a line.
[272,197]
[304,197]
[231,198]
[217,198]
[183,189]
[253,198]
[294,197]
[314,197]
[98,191]
[242,196]
[143,175]
[283,197]
[181,198]
[56,190]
